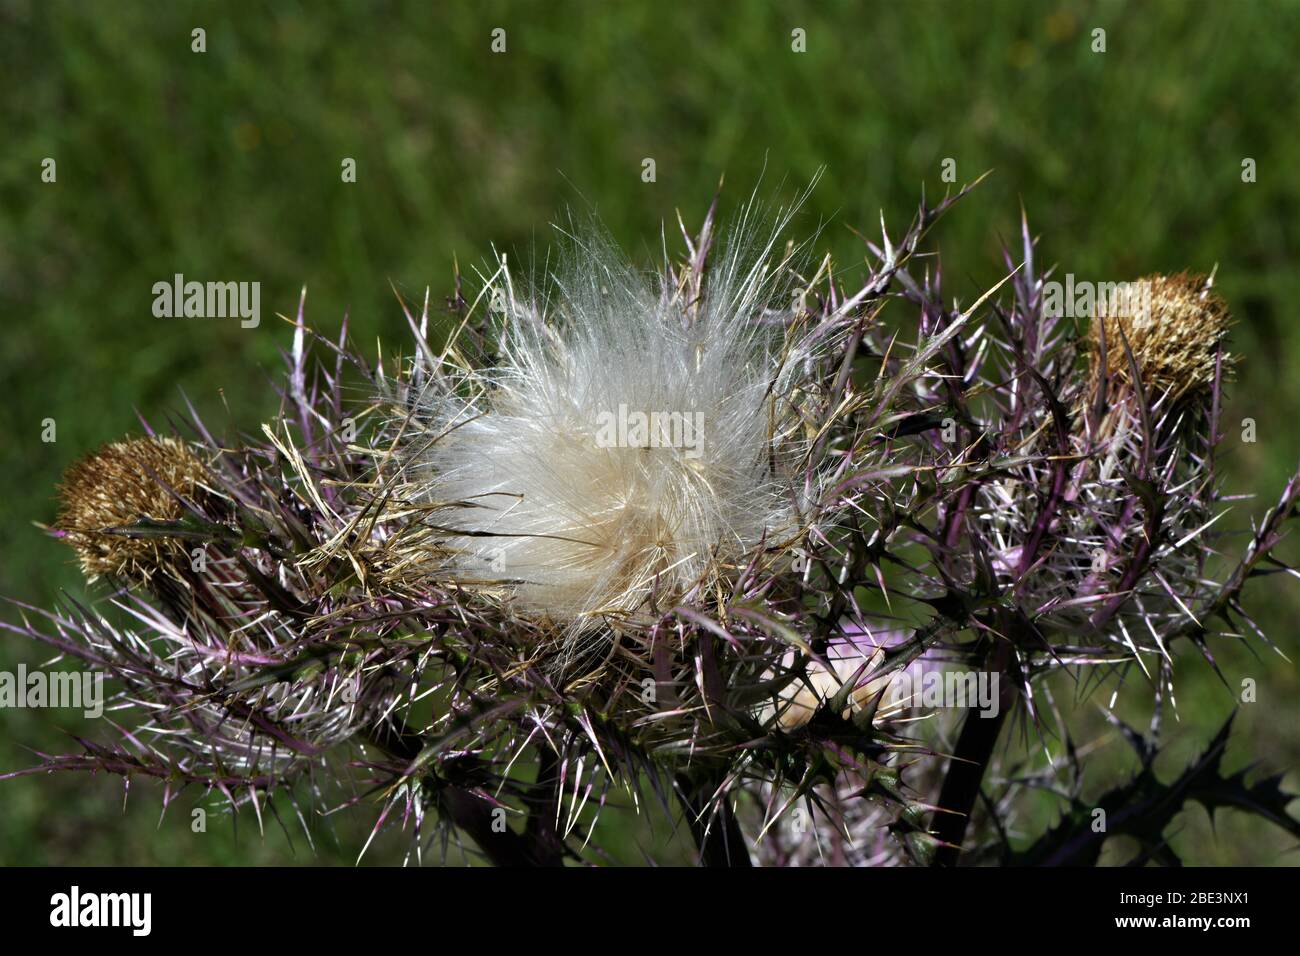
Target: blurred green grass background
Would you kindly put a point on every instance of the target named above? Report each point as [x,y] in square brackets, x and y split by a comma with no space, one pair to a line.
[225,165]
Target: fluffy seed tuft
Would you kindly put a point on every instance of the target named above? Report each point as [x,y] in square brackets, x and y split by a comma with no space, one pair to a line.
[632,441]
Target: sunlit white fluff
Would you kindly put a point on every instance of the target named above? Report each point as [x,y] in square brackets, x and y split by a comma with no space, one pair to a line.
[515,452]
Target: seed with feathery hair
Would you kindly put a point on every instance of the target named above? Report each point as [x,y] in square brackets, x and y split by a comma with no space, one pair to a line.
[118,485]
[1174,331]
[626,447]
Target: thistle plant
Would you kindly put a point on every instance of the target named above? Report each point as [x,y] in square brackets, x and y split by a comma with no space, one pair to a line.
[688,545]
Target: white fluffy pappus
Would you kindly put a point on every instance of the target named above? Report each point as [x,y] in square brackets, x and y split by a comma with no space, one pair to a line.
[635,439]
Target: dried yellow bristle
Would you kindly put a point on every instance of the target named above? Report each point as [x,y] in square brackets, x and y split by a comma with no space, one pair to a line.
[1174,329]
[118,485]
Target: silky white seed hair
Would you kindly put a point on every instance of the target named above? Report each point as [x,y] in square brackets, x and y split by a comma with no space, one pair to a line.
[629,443]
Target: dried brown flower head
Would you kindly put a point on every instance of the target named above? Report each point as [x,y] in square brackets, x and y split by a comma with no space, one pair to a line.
[1174,326]
[118,485]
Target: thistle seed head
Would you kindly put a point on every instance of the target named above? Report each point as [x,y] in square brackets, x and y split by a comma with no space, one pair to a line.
[630,443]
[116,486]
[1174,332]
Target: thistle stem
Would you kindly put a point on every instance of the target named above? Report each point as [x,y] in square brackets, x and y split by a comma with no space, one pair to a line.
[961,785]
[717,837]
[472,814]
[974,750]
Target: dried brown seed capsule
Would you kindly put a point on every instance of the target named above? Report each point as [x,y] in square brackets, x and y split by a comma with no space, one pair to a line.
[118,485]
[1174,326]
